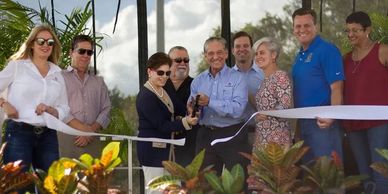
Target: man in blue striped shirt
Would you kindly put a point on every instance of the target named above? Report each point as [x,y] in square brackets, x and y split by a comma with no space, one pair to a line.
[223,97]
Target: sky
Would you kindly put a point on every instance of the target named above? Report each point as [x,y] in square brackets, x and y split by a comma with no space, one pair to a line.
[187,23]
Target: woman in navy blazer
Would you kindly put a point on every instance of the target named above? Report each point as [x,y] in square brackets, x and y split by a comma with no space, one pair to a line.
[159,117]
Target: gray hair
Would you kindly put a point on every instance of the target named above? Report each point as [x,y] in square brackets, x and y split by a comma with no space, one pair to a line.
[214,39]
[177,48]
[272,45]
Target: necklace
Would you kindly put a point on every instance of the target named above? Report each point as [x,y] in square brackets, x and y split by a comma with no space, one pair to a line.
[356,57]
[355,65]
[152,87]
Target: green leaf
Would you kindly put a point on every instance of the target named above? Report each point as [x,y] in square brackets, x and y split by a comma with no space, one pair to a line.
[114,147]
[275,153]
[86,159]
[162,181]
[68,184]
[193,168]
[227,180]
[57,171]
[113,164]
[239,178]
[175,169]
[382,152]
[214,182]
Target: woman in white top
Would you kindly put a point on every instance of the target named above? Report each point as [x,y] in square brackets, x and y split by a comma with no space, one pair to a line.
[35,85]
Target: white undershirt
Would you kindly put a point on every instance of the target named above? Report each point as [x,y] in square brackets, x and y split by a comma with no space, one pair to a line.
[27,88]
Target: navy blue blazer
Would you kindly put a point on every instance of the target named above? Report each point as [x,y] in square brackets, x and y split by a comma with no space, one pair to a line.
[155,121]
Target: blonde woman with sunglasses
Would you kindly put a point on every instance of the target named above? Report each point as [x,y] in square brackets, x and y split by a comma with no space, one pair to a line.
[35,85]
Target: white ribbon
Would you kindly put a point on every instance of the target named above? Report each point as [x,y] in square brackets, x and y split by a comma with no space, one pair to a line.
[54,123]
[348,112]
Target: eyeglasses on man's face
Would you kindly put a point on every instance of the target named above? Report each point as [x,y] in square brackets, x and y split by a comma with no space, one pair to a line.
[82,51]
[41,41]
[179,60]
[161,73]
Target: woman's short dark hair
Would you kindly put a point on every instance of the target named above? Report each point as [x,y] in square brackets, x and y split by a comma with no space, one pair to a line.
[359,17]
[158,59]
[81,38]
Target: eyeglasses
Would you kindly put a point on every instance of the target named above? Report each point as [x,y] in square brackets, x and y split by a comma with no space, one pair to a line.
[161,73]
[82,51]
[179,60]
[41,41]
[353,30]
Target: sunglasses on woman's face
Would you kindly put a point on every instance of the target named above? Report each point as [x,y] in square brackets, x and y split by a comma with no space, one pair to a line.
[82,51]
[41,41]
[179,60]
[161,73]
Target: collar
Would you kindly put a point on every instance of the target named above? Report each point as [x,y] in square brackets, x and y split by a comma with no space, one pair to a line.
[312,45]
[254,67]
[53,68]
[223,70]
[75,72]
[69,68]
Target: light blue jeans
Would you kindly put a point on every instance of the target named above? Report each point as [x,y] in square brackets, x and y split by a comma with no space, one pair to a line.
[322,142]
[363,144]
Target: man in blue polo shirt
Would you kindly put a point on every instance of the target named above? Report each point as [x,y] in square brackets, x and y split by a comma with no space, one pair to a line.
[318,81]
[223,96]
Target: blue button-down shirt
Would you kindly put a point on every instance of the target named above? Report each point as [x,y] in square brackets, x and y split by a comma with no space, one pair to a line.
[228,96]
[253,77]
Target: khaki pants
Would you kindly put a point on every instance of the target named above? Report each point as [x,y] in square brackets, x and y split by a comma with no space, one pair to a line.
[68,149]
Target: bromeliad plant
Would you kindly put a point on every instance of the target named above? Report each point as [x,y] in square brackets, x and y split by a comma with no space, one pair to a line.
[189,179]
[327,175]
[86,175]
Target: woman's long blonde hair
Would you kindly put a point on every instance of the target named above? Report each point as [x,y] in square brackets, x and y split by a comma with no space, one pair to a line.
[25,51]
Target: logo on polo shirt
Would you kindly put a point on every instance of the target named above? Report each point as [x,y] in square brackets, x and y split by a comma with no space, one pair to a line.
[309,57]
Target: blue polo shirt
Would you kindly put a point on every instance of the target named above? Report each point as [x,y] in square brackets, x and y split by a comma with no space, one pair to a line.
[314,70]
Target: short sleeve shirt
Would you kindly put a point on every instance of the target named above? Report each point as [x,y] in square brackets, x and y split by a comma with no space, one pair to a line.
[314,70]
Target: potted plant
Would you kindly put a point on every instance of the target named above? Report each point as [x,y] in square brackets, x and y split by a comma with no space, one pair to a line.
[275,170]
[86,175]
[327,176]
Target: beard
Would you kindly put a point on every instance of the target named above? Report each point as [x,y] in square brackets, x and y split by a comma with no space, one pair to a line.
[181,73]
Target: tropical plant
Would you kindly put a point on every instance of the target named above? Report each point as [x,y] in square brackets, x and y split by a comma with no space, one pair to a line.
[11,177]
[276,169]
[17,20]
[86,175]
[119,125]
[229,183]
[189,179]
[327,175]
[381,167]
